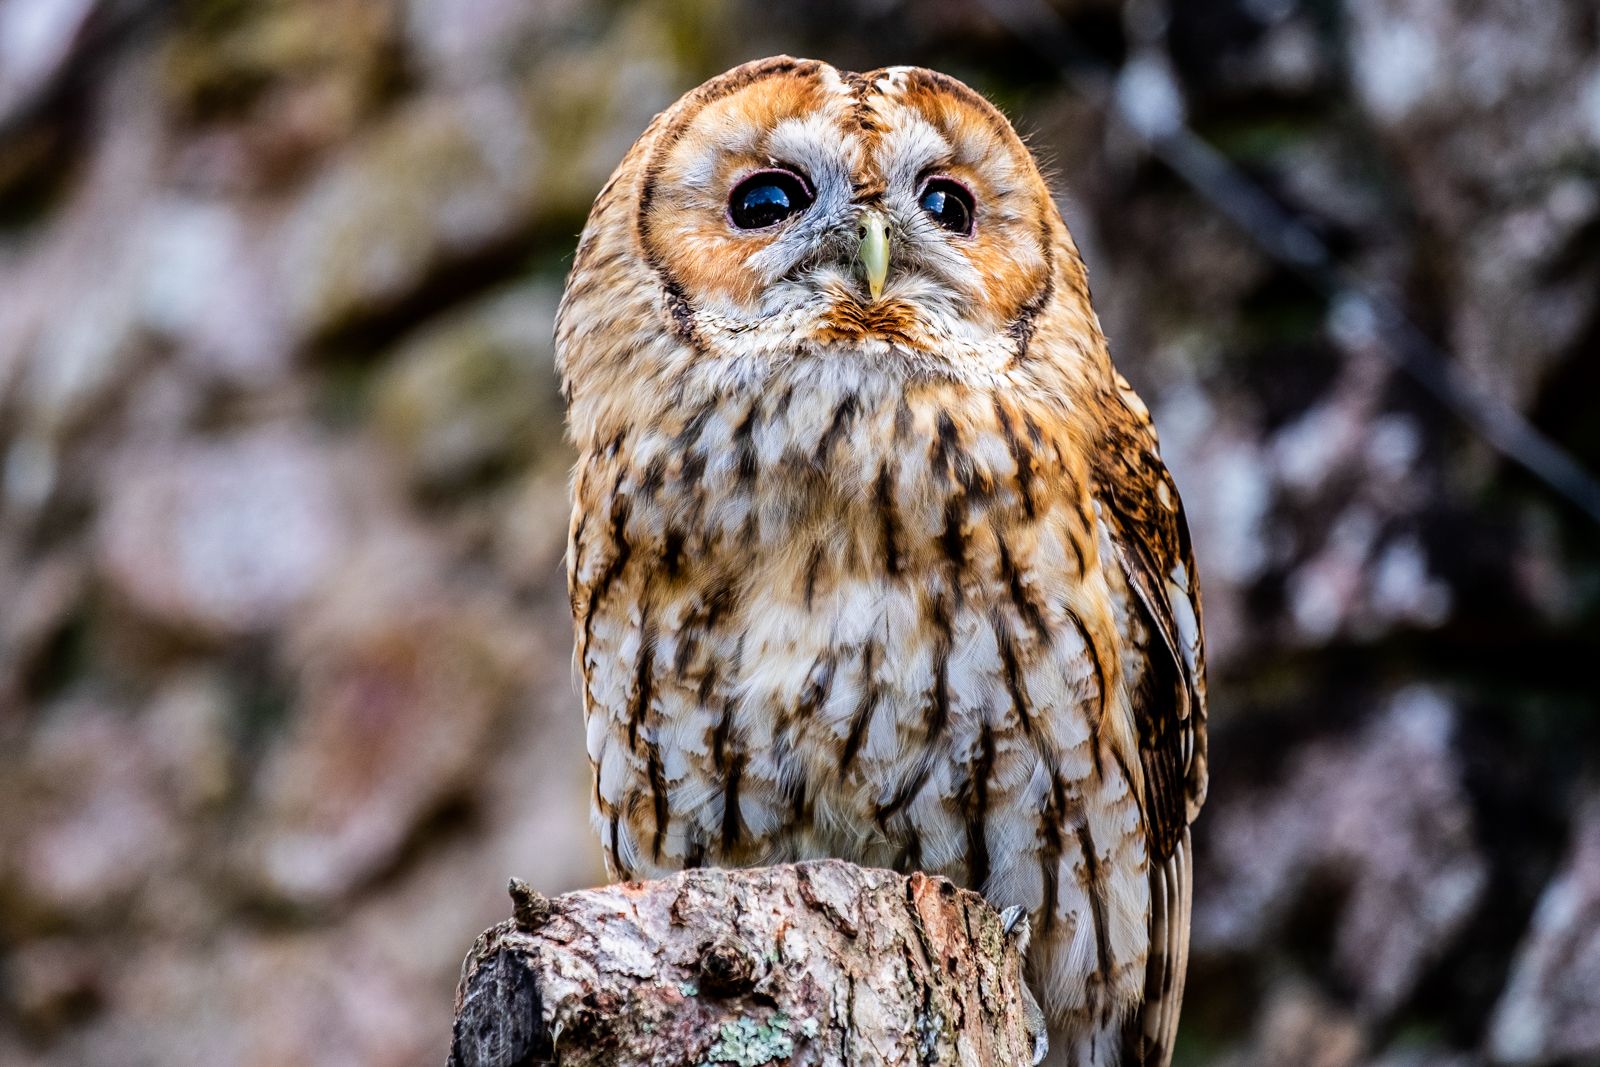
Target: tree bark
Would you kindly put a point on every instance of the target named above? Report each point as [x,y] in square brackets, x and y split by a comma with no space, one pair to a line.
[812,963]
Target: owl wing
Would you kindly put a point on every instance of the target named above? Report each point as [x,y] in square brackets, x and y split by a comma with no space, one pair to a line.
[1150,538]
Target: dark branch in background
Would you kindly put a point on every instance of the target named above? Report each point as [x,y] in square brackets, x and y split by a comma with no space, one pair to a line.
[104,30]
[1359,311]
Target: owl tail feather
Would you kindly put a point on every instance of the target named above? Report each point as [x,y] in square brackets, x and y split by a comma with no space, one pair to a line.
[1148,1034]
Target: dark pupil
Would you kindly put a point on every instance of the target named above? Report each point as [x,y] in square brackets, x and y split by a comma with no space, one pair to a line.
[948,208]
[765,204]
[767,199]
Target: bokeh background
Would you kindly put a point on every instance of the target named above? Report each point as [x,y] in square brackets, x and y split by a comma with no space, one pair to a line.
[285,692]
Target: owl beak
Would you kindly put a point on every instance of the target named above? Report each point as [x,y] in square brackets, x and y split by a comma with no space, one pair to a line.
[874,251]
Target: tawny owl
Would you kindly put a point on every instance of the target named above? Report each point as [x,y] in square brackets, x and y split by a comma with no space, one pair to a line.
[873,554]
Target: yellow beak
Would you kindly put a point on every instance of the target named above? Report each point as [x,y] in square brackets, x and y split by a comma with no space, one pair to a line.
[875,250]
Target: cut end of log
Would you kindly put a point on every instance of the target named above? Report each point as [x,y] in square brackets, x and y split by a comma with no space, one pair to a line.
[499,1021]
[811,963]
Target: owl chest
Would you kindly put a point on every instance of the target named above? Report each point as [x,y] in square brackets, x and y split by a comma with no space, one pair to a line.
[836,634]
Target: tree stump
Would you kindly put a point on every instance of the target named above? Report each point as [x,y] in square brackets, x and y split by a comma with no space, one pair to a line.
[812,963]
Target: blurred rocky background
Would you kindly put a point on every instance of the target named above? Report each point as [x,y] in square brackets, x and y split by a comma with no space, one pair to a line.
[284,657]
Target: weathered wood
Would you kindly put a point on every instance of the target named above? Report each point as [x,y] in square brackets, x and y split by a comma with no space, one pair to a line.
[813,963]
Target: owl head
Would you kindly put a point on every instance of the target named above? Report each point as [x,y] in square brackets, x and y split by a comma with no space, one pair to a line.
[788,210]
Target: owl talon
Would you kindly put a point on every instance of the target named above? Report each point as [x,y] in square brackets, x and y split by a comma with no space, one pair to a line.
[1033,1023]
[1017,928]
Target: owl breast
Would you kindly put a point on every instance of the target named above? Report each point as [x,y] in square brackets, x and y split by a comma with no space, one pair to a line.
[844,610]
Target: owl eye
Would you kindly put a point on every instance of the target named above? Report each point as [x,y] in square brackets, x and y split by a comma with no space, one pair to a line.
[949,204]
[767,198]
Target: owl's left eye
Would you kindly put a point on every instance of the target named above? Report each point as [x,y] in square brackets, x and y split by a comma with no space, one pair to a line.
[766,198]
[949,204]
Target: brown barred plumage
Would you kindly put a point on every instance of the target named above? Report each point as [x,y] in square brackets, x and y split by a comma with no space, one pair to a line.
[900,580]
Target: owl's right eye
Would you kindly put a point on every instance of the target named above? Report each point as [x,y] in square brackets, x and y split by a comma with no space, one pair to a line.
[766,198]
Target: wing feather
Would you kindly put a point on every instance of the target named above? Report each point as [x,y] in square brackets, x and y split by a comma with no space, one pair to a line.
[1150,538]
